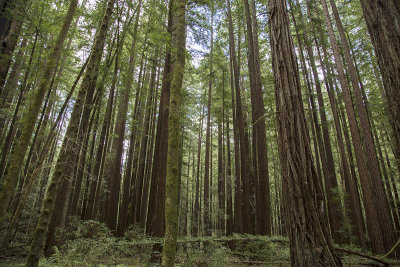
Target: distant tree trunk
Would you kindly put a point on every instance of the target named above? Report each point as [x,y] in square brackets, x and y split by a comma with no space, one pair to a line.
[263,202]
[244,152]
[174,139]
[89,170]
[229,207]
[129,179]
[237,214]
[206,198]
[95,186]
[118,142]
[30,117]
[143,147]
[221,169]
[353,210]
[150,150]
[185,229]
[309,242]
[155,224]
[196,218]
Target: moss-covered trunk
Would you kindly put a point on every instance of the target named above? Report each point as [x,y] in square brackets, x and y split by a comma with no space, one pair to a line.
[174,139]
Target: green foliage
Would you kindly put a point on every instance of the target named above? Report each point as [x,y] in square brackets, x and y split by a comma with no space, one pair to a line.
[91,243]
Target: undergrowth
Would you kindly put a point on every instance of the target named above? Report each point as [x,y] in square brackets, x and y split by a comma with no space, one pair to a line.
[90,243]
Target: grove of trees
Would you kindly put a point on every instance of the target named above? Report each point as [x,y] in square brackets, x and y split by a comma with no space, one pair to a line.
[191,119]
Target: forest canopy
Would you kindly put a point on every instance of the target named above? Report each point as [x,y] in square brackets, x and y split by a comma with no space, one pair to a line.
[163,132]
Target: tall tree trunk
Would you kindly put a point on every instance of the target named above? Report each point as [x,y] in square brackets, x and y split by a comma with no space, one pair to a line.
[229,207]
[207,207]
[353,210]
[155,224]
[221,168]
[174,139]
[143,148]
[309,242]
[263,203]
[244,151]
[335,212]
[380,17]
[118,142]
[95,186]
[196,218]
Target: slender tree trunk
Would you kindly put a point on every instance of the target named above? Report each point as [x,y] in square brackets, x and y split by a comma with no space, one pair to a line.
[155,224]
[95,186]
[129,178]
[229,205]
[263,203]
[221,170]
[143,148]
[244,153]
[237,215]
[196,213]
[207,207]
[118,142]
[354,211]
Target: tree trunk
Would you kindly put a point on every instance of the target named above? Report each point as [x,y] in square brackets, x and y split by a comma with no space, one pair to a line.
[174,139]
[309,242]
[229,207]
[244,152]
[353,210]
[381,18]
[263,203]
[155,224]
[118,142]
[196,218]
[206,198]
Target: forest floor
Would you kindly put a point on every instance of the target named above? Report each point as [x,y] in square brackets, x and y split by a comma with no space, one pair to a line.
[90,243]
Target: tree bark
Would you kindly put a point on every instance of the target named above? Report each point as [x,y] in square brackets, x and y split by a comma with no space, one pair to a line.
[309,243]
[263,203]
[174,139]
[382,17]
